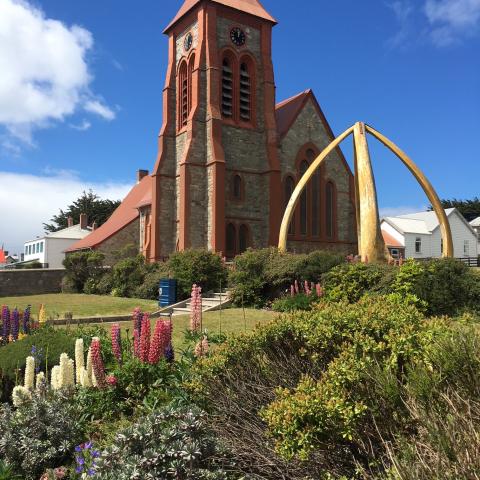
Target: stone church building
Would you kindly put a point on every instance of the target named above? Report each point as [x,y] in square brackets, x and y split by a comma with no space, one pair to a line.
[229,157]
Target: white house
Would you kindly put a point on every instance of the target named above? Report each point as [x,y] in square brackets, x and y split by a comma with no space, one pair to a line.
[50,249]
[475,224]
[417,235]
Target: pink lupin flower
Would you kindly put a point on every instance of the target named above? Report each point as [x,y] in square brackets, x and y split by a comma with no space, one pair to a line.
[202,347]
[307,287]
[297,287]
[196,309]
[136,343]
[117,342]
[319,290]
[145,338]
[157,343]
[97,363]
[292,290]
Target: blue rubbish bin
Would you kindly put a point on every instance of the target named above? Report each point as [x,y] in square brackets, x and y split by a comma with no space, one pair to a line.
[167,292]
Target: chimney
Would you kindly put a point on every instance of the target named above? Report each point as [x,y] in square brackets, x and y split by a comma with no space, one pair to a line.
[94,226]
[83,221]
[70,222]
[141,174]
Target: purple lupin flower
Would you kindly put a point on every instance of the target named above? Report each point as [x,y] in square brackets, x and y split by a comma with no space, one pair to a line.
[5,323]
[15,324]
[26,320]
[169,354]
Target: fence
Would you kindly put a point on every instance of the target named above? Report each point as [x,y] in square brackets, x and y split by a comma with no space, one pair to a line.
[471,261]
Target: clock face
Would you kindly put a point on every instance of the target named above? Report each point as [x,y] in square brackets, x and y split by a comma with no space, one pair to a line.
[238,37]
[188,42]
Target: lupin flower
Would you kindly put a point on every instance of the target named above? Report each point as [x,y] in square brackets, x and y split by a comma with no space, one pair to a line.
[41,382]
[319,290]
[29,373]
[117,342]
[136,343]
[79,359]
[202,347]
[137,328]
[15,324]
[297,287]
[307,287]
[55,377]
[162,338]
[170,354]
[292,290]
[97,363]
[5,323]
[26,320]
[196,309]
[65,373]
[20,396]
[145,338]
[89,370]
[42,315]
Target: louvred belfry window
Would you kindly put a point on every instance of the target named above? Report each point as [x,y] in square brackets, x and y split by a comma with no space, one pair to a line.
[183,95]
[245,92]
[227,88]
[191,68]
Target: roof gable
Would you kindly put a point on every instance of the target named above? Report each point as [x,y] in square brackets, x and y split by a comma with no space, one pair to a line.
[252,7]
[475,223]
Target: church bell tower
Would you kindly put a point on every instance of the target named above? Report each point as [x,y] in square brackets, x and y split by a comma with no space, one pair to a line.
[216,181]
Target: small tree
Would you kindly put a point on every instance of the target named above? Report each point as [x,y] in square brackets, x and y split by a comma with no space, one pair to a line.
[82,266]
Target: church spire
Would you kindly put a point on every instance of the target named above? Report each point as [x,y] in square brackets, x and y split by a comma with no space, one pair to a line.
[252,7]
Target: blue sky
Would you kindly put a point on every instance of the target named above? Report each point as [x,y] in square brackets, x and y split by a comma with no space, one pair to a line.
[87,115]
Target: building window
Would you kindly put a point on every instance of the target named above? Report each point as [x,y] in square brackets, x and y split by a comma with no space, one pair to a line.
[303,201]
[330,207]
[191,68]
[243,242]
[395,253]
[418,245]
[237,187]
[41,247]
[466,248]
[289,188]
[26,249]
[38,248]
[231,239]
[245,92]
[227,88]
[183,94]
[315,195]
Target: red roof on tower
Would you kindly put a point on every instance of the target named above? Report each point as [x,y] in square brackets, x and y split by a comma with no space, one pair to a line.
[253,7]
[3,259]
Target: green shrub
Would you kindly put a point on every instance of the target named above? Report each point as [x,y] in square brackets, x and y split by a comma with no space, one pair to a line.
[39,435]
[104,286]
[173,443]
[149,288]
[128,275]
[351,281]
[6,472]
[82,266]
[197,267]
[297,302]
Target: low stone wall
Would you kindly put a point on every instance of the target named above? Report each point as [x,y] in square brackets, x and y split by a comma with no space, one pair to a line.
[30,282]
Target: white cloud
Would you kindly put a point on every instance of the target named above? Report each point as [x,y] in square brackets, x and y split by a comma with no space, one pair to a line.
[81,127]
[403,11]
[451,20]
[28,201]
[401,210]
[44,72]
[95,106]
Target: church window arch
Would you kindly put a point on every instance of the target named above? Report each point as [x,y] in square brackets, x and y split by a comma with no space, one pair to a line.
[246,89]
[288,188]
[237,187]
[231,240]
[315,188]
[228,86]
[182,94]
[191,68]
[243,238]
[304,200]
[331,209]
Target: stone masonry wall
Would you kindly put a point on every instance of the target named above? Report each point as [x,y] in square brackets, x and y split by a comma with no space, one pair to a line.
[30,282]
[127,236]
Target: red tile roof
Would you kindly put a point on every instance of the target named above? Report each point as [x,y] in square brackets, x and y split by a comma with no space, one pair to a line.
[390,240]
[253,7]
[288,110]
[125,214]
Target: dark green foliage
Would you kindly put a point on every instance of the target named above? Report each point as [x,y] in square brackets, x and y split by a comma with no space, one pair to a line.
[297,302]
[262,275]
[127,275]
[149,288]
[6,472]
[52,343]
[39,435]
[97,210]
[82,267]
[172,443]
[197,267]
[470,209]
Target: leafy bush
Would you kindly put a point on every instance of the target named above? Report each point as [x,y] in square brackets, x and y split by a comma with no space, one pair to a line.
[82,266]
[50,342]
[149,288]
[262,275]
[173,443]
[197,266]
[297,302]
[127,275]
[307,377]
[40,434]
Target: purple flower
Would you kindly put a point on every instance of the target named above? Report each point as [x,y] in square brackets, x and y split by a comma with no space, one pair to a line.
[26,320]
[15,324]
[5,323]
[169,354]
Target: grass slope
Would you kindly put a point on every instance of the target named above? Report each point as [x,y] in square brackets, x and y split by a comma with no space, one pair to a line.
[79,305]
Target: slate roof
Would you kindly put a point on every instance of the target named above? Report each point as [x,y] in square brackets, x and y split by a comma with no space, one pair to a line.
[475,223]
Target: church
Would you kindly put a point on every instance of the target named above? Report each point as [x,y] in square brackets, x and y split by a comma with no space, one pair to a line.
[229,156]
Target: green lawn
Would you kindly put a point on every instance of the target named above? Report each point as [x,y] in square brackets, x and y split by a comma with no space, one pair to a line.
[226,321]
[79,305]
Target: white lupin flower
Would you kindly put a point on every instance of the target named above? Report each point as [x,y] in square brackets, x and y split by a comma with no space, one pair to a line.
[20,395]
[64,370]
[71,373]
[79,359]
[84,380]
[90,374]
[29,373]
[55,381]
[41,380]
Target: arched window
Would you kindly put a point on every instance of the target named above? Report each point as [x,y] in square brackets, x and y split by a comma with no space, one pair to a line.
[245,92]
[330,208]
[227,87]
[303,201]
[191,68]
[289,188]
[243,242]
[315,195]
[237,187]
[231,239]
[182,95]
